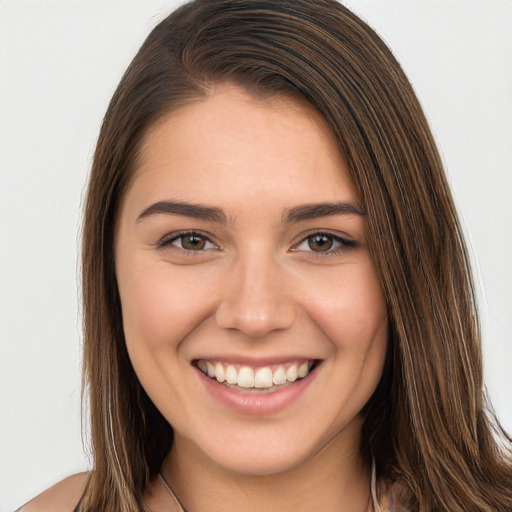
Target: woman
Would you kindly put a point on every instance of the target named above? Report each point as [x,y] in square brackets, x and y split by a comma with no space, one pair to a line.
[278,306]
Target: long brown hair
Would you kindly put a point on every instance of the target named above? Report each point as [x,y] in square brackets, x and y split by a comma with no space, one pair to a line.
[427,423]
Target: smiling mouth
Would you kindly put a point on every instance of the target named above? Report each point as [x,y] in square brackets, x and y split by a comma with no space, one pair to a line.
[260,379]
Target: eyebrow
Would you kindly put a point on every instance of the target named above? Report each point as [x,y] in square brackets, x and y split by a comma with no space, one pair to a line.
[214,214]
[316,210]
[196,211]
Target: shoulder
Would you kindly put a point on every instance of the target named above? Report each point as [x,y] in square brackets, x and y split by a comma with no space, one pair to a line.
[62,497]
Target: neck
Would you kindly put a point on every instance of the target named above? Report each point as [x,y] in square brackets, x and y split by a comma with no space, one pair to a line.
[334,479]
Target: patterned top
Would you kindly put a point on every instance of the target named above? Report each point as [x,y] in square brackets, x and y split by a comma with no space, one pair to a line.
[389,499]
[385,495]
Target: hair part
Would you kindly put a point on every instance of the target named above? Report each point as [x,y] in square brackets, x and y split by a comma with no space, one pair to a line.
[426,423]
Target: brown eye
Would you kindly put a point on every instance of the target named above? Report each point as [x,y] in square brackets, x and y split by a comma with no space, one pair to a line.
[324,244]
[192,242]
[320,242]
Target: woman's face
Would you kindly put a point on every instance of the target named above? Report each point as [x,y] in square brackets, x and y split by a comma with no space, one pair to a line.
[252,312]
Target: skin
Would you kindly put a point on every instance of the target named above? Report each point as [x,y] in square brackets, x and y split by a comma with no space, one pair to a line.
[258,289]
[255,290]
[62,497]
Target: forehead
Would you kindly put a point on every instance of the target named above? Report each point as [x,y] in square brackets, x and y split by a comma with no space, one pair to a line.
[232,146]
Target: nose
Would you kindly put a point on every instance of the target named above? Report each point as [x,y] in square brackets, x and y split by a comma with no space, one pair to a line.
[256,298]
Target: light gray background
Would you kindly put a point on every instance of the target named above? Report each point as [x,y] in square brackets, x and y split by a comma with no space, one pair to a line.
[60,61]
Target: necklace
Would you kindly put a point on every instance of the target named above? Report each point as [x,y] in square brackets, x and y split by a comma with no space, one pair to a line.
[371,506]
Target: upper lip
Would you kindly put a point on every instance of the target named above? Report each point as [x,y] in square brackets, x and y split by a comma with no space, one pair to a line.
[252,361]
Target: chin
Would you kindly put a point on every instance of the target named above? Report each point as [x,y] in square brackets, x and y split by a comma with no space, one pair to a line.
[261,462]
[266,451]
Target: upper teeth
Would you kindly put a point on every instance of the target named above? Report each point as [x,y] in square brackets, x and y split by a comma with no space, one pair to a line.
[262,377]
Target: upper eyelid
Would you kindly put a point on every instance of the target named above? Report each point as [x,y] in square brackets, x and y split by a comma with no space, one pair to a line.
[345,243]
[336,235]
[170,237]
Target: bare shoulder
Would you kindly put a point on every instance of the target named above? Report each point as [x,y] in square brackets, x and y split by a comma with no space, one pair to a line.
[62,497]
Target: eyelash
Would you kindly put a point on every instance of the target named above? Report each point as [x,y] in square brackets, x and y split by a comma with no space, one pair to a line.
[340,244]
[168,241]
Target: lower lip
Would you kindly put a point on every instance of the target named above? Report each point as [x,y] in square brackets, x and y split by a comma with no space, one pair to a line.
[254,403]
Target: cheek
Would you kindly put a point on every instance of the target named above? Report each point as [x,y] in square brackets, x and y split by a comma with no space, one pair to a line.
[350,309]
[160,307]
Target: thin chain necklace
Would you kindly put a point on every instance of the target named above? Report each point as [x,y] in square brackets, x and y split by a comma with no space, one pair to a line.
[371,505]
